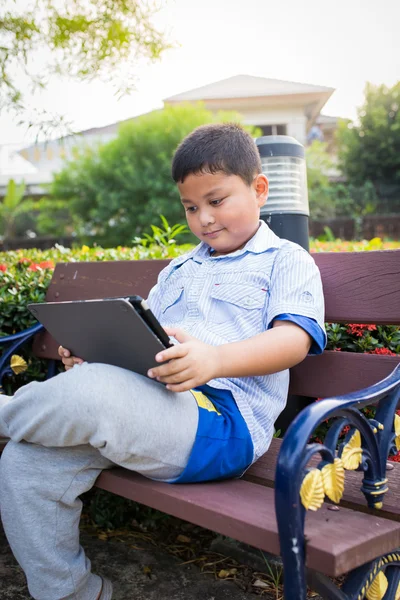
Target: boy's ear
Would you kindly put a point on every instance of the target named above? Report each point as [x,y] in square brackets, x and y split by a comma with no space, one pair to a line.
[261,187]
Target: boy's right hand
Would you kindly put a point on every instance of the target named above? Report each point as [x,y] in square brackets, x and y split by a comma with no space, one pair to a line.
[68,360]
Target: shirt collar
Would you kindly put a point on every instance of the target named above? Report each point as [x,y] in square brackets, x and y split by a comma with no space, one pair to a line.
[262,240]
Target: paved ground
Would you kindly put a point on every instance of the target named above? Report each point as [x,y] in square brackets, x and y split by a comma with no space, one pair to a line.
[138,573]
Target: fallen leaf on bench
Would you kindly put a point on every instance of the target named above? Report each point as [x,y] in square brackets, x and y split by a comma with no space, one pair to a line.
[224,573]
[183,538]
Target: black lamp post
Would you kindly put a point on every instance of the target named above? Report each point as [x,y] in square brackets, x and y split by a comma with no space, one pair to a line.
[286,210]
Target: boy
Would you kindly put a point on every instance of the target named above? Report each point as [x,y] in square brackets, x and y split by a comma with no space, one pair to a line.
[243,305]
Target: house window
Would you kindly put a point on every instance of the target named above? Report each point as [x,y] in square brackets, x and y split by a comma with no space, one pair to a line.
[273,129]
[49,153]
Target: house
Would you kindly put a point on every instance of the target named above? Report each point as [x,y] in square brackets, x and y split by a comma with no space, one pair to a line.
[277,107]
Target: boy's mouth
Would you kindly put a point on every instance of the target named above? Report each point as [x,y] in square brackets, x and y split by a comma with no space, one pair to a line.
[212,234]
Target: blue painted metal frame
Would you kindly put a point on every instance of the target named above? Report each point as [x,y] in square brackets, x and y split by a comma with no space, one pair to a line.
[13,343]
[295,453]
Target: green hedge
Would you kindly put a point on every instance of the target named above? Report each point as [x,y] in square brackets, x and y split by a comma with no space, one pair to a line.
[25,276]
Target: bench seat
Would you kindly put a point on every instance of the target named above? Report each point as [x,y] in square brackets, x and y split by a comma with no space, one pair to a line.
[337,541]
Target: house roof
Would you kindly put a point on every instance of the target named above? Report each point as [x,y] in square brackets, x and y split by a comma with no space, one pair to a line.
[327,120]
[244,86]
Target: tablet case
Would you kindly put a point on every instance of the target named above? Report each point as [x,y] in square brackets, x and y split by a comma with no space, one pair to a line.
[105,331]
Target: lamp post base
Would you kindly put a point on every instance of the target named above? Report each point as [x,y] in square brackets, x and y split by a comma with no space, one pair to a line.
[293,227]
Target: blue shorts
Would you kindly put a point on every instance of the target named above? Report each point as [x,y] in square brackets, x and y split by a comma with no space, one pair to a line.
[223,447]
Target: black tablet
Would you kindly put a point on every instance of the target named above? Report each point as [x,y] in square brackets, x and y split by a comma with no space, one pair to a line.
[116,331]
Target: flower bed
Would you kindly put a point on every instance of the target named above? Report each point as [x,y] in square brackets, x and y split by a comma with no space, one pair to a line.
[362,246]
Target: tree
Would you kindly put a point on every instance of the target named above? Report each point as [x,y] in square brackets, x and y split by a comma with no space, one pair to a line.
[370,149]
[84,39]
[117,190]
[320,198]
[12,205]
[328,199]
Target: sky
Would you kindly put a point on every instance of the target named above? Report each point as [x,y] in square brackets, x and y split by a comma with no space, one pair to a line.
[335,43]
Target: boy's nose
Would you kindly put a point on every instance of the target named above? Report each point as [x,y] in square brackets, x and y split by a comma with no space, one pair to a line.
[206,218]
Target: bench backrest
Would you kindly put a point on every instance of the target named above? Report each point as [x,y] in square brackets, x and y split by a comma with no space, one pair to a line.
[359,287]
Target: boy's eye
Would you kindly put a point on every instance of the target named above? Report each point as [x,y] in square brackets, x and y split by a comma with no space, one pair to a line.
[216,202]
[190,209]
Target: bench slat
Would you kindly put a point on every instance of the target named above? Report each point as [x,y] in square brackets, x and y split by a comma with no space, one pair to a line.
[337,373]
[245,511]
[263,472]
[361,287]
[85,280]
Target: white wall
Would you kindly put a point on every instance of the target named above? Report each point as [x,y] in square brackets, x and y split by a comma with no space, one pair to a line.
[291,116]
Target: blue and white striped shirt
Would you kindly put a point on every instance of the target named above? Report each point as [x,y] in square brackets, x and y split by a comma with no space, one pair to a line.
[233,297]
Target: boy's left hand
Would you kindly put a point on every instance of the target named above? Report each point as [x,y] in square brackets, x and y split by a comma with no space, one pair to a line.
[191,362]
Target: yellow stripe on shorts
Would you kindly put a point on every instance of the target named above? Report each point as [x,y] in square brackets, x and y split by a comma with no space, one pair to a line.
[204,402]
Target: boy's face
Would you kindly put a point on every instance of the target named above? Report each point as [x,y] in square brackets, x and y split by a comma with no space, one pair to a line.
[222,210]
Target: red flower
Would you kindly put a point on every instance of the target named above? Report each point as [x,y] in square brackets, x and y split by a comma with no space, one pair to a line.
[45,264]
[3,268]
[33,267]
[358,329]
[384,351]
[24,260]
[395,458]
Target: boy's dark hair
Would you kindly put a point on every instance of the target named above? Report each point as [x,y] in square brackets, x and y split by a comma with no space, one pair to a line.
[214,148]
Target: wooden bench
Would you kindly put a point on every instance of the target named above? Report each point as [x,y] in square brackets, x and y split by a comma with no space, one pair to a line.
[265,508]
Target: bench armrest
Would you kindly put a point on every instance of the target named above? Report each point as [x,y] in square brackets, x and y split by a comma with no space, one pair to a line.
[366,447]
[377,435]
[12,344]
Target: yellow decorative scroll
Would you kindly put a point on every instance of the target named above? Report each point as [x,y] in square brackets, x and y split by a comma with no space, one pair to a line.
[397,431]
[333,480]
[312,490]
[378,587]
[18,364]
[352,452]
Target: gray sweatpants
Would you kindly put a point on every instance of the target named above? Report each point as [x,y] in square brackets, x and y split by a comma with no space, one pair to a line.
[63,432]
